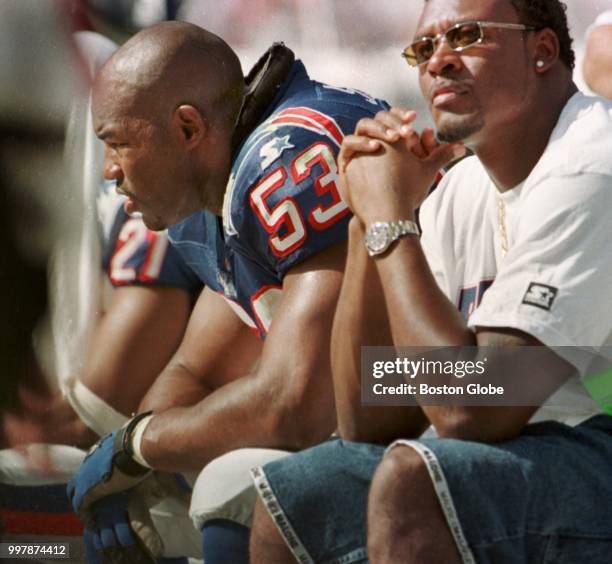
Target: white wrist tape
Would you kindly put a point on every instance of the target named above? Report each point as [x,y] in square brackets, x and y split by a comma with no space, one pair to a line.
[137,434]
[92,409]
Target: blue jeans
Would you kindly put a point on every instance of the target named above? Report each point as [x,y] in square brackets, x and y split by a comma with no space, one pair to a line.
[545,496]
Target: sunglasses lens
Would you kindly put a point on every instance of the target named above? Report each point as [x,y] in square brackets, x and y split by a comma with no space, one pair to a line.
[458,37]
[419,52]
[464,35]
[408,54]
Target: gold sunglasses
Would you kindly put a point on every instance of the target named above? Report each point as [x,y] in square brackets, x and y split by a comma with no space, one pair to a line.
[459,37]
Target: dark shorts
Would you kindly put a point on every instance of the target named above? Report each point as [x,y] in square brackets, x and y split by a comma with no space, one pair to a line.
[543,497]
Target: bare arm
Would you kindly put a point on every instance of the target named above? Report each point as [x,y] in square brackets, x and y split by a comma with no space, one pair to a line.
[134,341]
[216,349]
[286,402]
[362,319]
[597,66]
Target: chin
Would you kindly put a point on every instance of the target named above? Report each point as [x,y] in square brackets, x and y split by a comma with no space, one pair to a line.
[154,224]
[455,128]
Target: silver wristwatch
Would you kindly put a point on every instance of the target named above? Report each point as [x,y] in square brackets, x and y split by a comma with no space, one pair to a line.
[382,234]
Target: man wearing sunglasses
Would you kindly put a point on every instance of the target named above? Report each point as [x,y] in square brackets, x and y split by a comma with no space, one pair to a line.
[514,258]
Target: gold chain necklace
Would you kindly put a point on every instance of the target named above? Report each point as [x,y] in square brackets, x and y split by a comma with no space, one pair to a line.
[501,222]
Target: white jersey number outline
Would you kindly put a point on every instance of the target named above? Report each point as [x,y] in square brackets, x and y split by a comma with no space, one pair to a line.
[287,212]
[132,236]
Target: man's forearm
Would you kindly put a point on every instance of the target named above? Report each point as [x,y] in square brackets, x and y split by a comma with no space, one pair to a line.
[287,402]
[411,293]
[361,319]
[176,386]
[246,413]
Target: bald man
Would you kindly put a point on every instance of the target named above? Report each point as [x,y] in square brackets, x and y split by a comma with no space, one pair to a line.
[243,172]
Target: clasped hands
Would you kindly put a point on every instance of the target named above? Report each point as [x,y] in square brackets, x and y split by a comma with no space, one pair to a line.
[386,167]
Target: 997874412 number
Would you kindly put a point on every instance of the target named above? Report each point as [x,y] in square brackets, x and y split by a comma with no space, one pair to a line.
[29,549]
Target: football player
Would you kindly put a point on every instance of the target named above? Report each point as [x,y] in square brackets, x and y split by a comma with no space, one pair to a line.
[243,171]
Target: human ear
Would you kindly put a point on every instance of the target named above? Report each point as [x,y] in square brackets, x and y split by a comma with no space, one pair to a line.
[546,50]
[189,125]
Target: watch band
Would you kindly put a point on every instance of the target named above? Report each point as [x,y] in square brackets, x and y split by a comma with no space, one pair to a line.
[404,227]
[382,234]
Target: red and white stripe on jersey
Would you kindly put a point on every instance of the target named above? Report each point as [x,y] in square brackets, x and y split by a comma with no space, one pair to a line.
[310,119]
[264,303]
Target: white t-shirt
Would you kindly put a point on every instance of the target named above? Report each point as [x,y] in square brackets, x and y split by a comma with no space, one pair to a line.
[555,282]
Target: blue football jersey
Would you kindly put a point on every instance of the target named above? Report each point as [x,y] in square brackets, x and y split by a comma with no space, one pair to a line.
[282,203]
[134,255]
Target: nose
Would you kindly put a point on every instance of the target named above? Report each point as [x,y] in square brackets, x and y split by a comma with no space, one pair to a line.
[444,59]
[111,170]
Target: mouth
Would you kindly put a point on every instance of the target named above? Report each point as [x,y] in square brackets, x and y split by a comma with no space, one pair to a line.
[129,205]
[443,95]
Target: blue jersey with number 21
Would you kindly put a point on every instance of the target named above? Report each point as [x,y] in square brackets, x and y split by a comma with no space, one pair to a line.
[133,255]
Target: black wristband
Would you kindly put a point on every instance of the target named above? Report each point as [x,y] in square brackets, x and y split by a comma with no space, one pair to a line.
[124,452]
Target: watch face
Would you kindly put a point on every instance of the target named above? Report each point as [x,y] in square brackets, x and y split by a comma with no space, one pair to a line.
[378,238]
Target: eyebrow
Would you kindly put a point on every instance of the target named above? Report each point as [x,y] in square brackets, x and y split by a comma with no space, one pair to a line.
[104,133]
[446,27]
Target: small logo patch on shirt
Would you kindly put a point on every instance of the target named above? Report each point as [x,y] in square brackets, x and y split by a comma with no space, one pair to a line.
[540,295]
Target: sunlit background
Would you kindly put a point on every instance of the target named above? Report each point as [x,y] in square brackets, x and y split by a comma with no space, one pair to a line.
[351,43]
